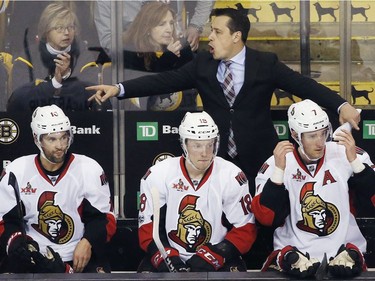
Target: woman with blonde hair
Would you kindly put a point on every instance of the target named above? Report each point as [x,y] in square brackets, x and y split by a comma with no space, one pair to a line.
[51,76]
[57,31]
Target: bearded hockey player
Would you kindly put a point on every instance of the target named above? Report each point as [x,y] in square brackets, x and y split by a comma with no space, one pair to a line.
[303,191]
[55,214]
[197,193]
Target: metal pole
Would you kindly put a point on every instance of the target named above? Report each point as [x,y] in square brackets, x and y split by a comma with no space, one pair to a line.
[305,37]
[345,49]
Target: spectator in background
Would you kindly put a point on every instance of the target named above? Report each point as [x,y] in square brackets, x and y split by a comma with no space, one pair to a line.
[194,13]
[59,53]
[303,190]
[63,217]
[151,42]
[151,45]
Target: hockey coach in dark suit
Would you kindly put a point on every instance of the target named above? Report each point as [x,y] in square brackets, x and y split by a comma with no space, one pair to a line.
[236,84]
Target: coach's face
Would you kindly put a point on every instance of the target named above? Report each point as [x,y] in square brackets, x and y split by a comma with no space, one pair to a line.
[222,43]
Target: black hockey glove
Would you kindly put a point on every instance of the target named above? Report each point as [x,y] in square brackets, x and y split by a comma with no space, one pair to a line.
[19,254]
[50,263]
[348,262]
[295,263]
[206,259]
[159,264]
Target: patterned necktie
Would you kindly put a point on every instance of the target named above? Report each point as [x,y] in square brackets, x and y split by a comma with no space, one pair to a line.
[228,84]
[228,89]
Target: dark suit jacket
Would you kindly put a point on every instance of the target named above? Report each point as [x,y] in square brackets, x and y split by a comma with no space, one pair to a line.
[250,114]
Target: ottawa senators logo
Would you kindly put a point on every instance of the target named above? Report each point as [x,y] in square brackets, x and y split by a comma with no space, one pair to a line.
[192,229]
[52,222]
[319,217]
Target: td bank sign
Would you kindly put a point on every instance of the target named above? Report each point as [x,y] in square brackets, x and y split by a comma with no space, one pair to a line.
[149,131]
[282,129]
[368,129]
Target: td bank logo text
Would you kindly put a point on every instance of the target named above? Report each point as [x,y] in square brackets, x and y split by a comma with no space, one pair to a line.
[368,129]
[93,130]
[281,128]
[147,131]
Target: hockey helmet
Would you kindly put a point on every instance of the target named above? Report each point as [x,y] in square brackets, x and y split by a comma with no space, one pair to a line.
[198,126]
[306,116]
[50,119]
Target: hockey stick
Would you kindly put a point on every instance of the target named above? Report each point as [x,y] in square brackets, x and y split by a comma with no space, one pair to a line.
[321,272]
[12,181]
[155,229]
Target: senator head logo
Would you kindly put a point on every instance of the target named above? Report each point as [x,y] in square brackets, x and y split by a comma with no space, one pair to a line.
[53,223]
[192,230]
[318,216]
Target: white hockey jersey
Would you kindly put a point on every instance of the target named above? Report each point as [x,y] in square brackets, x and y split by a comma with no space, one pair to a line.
[320,220]
[53,206]
[194,213]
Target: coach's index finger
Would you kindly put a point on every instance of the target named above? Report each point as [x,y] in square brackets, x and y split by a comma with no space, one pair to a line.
[103,92]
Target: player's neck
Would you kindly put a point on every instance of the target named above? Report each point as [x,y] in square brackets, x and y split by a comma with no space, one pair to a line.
[304,157]
[51,167]
[193,172]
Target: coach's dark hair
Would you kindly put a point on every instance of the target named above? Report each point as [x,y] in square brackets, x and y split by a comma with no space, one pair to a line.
[238,21]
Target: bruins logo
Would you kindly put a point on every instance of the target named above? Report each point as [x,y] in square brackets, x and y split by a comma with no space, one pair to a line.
[162,156]
[167,102]
[319,217]
[9,131]
[55,225]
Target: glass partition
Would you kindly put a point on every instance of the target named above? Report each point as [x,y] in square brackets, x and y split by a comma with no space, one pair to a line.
[362,56]
[117,41]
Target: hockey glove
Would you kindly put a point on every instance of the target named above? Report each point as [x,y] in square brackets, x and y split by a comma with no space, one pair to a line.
[348,262]
[51,262]
[19,255]
[295,263]
[159,264]
[206,259]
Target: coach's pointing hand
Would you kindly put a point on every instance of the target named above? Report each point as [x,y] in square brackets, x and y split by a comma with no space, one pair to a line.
[103,92]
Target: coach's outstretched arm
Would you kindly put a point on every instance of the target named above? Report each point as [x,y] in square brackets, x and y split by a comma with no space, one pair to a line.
[103,92]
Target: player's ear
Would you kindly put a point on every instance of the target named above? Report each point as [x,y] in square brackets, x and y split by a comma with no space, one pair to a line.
[294,134]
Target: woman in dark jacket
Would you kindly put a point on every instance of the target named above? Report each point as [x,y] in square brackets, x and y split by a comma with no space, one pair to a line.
[59,52]
[152,45]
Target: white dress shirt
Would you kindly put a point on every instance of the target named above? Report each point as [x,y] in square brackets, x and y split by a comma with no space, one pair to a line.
[237,68]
